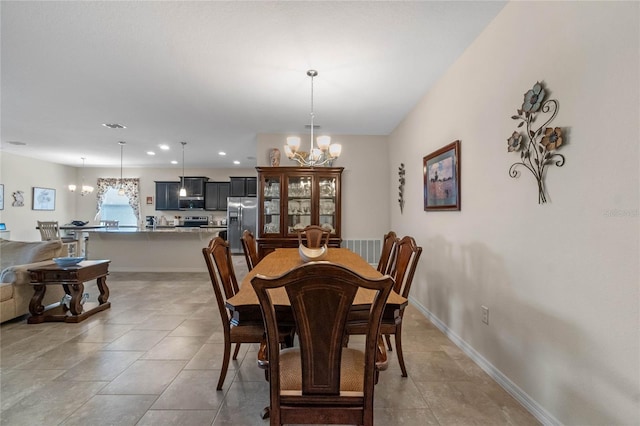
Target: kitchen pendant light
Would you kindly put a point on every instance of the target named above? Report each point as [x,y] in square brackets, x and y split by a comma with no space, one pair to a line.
[324,154]
[121,189]
[183,191]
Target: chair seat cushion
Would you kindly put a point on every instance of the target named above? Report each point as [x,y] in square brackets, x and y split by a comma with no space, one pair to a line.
[351,373]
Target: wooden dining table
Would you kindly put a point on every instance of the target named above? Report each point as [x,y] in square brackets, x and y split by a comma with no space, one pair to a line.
[246,308]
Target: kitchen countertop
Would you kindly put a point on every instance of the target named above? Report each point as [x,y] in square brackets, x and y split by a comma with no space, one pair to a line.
[163,229]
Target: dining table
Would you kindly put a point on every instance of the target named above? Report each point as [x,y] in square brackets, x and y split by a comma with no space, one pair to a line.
[245,307]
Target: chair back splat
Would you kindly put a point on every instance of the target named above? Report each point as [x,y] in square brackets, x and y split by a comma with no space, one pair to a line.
[387,256]
[315,235]
[249,248]
[321,381]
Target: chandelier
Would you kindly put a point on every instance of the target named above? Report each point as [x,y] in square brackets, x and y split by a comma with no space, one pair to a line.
[86,189]
[121,188]
[324,154]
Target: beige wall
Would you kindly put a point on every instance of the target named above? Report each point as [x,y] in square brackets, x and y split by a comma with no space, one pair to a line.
[365,212]
[561,280]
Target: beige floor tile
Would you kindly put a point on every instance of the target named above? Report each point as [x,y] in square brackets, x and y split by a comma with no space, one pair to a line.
[115,410]
[137,340]
[145,377]
[102,366]
[175,348]
[209,357]
[51,403]
[243,404]
[177,418]
[17,384]
[192,390]
[404,417]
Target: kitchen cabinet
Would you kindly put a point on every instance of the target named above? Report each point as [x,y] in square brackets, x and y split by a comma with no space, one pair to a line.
[243,187]
[167,195]
[290,198]
[216,194]
[194,185]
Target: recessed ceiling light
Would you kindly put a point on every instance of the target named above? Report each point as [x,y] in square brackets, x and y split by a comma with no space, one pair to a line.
[222,153]
[151,153]
[174,162]
[114,125]
[236,162]
[16,143]
[164,147]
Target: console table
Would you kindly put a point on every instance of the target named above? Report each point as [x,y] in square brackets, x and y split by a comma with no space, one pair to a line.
[72,279]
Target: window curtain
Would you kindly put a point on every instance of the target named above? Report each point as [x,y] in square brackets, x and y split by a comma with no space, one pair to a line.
[131,188]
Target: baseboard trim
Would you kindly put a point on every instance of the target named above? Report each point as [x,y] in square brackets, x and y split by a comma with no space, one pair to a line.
[529,403]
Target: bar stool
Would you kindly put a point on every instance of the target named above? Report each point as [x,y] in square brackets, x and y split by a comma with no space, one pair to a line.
[51,231]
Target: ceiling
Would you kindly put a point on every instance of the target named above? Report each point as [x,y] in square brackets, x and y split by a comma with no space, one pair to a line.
[215,74]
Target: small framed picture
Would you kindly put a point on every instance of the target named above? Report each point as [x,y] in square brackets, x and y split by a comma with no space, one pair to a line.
[1,196]
[44,198]
[441,170]
[149,200]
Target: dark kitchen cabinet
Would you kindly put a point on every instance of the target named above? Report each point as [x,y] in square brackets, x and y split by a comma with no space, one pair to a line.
[167,195]
[195,185]
[216,194]
[243,187]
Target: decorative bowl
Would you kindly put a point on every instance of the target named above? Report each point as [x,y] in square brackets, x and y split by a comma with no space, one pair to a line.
[67,261]
[312,254]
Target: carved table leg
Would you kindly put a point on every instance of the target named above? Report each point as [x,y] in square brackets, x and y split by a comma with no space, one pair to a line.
[104,290]
[35,305]
[76,297]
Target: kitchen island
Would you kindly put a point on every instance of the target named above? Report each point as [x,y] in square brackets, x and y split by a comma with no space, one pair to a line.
[160,249]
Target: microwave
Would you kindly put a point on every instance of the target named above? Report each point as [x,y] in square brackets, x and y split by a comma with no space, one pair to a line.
[191,203]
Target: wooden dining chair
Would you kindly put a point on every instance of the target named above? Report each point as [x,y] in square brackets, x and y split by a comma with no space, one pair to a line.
[316,236]
[387,256]
[249,248]
[217,256]
[51,231]
[404,268]
[321,381]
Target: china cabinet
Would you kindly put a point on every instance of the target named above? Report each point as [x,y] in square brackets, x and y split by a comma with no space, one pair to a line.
[290,198]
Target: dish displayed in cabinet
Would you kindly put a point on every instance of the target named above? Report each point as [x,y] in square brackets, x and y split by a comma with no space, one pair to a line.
[327,207]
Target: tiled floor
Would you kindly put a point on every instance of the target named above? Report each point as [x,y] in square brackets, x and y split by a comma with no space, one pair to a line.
[154,359]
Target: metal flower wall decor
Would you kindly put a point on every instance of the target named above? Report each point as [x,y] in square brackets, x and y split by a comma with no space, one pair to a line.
[401,186]
[537,146]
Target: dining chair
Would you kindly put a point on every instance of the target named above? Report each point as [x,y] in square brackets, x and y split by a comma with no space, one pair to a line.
[249,248]
[51,231]
[315,235]
[403,269]
[321,381]
[217,256]
[387,256]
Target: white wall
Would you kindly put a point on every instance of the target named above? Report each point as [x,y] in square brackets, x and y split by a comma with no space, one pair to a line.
[19,173]
[561,280]
[364,180]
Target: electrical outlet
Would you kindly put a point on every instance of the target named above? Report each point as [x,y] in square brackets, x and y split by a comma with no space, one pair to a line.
[485,314]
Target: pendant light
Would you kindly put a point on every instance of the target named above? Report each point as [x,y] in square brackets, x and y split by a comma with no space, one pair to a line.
[121,189]
[183,191]
[324,154]
[84,189]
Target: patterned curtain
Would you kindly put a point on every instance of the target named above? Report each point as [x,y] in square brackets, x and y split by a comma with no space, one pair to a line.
[131,188]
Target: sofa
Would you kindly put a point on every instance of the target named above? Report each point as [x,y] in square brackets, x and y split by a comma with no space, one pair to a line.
[16,258]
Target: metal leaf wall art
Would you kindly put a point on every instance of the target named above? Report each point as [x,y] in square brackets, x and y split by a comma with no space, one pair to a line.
[401,187]
[537,146]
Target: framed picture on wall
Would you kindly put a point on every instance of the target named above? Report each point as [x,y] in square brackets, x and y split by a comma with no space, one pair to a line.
[1,196]
[44,198]
[441,170]
[149,200]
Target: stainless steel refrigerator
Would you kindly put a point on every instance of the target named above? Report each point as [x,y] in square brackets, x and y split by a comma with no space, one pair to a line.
[242,213]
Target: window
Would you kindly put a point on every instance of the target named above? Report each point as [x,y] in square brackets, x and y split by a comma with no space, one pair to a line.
[117,207]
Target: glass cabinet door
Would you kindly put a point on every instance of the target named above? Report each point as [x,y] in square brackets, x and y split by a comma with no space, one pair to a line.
[299,206]
[327,203]
[271,208]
